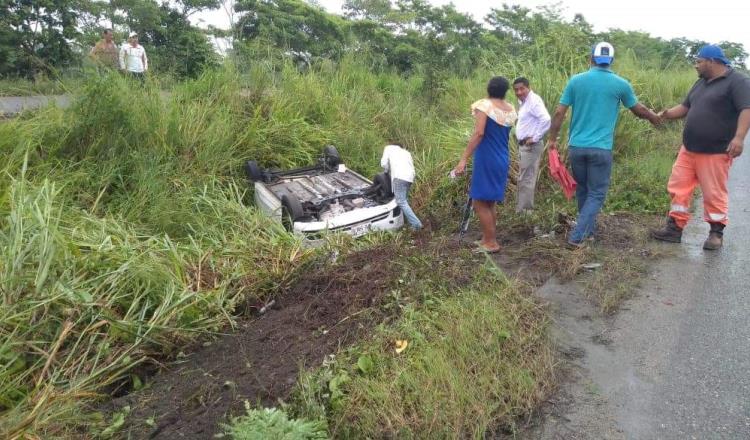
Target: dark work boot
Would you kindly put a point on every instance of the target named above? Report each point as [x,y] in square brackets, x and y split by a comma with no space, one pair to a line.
[671,232]
[715,237]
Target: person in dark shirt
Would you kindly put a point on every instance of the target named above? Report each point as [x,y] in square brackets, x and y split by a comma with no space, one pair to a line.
[717,112]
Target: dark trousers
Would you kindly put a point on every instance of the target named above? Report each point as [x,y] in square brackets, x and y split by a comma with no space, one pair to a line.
[592,168]
[140,76]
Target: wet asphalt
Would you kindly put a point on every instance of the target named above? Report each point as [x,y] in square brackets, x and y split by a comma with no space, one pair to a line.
[677,365]
[700,386]
[13,105]
[674,363]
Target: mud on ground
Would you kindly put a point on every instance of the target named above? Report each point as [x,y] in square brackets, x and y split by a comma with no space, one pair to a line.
[261,360]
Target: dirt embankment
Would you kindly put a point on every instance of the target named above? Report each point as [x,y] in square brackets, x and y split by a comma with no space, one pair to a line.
[261,360]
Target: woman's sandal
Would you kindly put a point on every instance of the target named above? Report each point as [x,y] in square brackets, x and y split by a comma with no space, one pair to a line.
[483,250]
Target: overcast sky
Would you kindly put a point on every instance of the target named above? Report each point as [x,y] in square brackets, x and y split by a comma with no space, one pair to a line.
[709,21]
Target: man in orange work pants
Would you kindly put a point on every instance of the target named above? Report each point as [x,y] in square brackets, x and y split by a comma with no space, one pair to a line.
[717,111]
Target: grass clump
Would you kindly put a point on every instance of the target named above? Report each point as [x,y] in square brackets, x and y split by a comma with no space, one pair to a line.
[40,85]
[272,424]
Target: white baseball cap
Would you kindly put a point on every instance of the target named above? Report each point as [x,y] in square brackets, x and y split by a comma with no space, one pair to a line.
[133,34]
[603,53]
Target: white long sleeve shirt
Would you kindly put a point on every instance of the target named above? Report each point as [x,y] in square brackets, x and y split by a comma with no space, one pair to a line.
[398,163]
[133,59]
[533,118]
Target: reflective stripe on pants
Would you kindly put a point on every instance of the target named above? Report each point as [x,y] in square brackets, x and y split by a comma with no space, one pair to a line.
[711,172]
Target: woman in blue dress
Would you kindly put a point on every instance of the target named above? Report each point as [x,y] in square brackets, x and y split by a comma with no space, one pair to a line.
[493,119]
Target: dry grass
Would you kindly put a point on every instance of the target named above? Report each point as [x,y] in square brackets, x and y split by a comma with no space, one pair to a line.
[625,257]
[622,252]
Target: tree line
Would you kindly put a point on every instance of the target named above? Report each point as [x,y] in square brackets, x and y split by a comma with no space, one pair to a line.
[406,35]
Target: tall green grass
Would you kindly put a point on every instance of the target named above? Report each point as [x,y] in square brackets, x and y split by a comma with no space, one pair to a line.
[126,227]
[86,299]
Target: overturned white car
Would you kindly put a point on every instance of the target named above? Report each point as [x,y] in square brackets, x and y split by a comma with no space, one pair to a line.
[326,197]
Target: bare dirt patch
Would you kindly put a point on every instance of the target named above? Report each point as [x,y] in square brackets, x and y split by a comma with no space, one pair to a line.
[260,362]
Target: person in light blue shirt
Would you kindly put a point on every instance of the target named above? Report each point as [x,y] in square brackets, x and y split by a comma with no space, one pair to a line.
[595,97]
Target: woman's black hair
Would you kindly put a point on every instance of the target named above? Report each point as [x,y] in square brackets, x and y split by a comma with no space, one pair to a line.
[497,87]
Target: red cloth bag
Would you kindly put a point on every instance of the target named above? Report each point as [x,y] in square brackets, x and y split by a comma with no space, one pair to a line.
[560,173]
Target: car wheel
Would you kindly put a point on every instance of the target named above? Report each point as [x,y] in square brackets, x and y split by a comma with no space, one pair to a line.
[253,171]
[291,211]
[383,182]
[331,156]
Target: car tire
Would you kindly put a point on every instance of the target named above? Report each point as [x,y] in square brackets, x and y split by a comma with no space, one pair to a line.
[331,156]
[291,211]
[383,182]
[253,172]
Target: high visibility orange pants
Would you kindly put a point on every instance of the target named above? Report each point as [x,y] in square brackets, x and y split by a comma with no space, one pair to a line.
[711,172]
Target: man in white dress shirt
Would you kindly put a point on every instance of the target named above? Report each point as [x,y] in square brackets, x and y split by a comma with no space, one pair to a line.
[133,58]
[533,123]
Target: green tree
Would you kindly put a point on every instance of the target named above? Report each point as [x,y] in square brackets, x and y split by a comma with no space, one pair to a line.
[375,40]
[35,35]
[735,52]
[178,47]
[542,36]
[688,49]
[190,7]
[516,23]
[450,41]
[371,10]
[648,50]
[305,30]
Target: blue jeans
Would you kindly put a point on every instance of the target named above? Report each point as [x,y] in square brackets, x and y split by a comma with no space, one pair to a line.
[592,168]
[401,191]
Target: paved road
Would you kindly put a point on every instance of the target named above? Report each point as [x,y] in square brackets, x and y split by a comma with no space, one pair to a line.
[690,336]
[675,362]
[12,105]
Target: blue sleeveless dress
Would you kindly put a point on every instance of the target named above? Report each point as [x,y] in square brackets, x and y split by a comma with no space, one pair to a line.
[492,156]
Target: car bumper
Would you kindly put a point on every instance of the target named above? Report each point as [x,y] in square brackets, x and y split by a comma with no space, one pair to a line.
[387,217]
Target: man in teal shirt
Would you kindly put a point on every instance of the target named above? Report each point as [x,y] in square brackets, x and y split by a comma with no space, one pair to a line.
[595,97]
